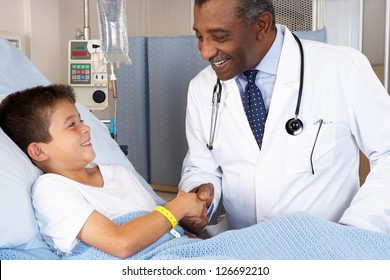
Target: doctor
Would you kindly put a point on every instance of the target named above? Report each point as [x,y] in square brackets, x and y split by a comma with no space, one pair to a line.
[323,103]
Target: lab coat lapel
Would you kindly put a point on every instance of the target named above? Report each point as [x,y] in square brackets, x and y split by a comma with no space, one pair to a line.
[283,100]
[285,93]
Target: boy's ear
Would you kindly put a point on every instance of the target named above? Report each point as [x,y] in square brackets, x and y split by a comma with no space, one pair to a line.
[36,152]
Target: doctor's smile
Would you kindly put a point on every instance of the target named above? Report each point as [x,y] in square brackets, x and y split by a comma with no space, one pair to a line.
[219,63]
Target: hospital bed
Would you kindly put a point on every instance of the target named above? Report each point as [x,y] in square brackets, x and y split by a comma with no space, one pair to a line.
[291,237]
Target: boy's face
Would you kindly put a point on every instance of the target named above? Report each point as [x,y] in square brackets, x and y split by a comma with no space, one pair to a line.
[70,148]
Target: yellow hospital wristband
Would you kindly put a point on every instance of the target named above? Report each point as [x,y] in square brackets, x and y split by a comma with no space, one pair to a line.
[167,215]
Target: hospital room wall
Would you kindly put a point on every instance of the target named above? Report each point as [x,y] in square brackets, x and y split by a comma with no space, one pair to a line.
[46,26]
[36,22]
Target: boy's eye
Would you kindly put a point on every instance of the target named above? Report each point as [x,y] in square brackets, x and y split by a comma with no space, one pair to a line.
[74,123]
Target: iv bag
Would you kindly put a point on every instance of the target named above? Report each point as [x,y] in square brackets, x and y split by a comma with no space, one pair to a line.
[113,31]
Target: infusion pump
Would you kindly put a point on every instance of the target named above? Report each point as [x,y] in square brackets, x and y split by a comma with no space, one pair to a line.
[88,74]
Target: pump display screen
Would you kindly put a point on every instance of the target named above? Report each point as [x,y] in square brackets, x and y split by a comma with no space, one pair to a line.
[78,50]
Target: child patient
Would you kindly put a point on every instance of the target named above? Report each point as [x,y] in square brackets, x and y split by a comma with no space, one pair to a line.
[75,199]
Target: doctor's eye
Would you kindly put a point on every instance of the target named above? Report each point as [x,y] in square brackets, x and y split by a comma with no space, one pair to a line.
[221,38]
[199,37]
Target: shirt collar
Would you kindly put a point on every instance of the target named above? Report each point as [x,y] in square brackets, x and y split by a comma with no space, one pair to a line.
[269,64]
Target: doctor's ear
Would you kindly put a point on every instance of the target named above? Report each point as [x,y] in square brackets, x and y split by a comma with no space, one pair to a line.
[36,152]
[264,24]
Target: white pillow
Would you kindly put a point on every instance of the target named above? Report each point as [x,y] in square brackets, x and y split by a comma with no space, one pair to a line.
[18,227]
[16,70]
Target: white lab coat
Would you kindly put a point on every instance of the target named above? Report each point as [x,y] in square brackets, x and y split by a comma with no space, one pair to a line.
[341,89]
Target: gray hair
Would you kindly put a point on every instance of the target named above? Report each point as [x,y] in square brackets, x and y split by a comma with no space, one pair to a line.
[249,10]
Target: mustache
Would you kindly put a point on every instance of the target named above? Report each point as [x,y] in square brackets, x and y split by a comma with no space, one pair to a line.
[219,58]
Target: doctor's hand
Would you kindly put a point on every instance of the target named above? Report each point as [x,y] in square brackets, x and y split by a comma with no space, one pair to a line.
[205,192]
[196,224]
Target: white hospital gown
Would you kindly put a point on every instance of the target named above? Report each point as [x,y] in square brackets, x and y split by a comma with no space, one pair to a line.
[62,206]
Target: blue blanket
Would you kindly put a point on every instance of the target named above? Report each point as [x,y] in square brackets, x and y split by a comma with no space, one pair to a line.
[292,237]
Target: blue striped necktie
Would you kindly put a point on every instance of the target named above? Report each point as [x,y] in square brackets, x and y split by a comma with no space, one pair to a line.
[254,106]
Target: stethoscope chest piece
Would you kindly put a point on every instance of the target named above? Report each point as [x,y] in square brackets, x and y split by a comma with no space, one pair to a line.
[294,126]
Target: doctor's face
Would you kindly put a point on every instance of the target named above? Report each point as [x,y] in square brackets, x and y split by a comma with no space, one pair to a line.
[231,46]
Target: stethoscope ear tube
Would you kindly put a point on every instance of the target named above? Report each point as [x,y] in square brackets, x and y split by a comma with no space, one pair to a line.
[214,112]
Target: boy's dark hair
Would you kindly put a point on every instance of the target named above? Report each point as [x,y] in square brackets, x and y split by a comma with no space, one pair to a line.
[25,116]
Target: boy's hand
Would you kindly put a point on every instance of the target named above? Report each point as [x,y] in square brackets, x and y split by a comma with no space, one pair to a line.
[196,224]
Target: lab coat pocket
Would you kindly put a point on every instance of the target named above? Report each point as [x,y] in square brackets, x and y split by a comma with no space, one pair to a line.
[312,150]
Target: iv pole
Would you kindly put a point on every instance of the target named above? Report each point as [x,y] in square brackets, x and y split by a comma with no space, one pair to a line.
[87,29]
[87,34]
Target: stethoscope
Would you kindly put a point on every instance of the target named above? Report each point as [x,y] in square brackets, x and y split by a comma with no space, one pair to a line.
[214,111]
[294,126]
